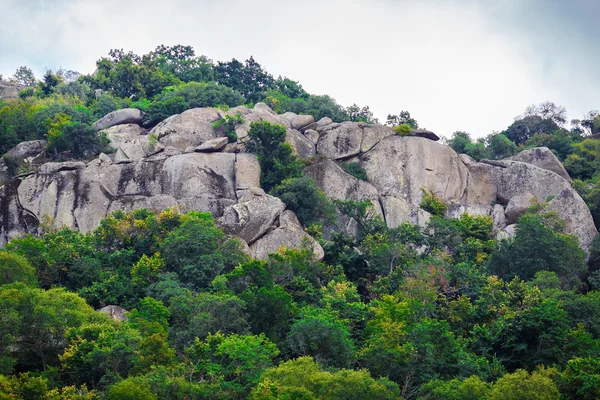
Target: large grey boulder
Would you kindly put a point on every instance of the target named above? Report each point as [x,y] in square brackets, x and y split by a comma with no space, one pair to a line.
[399,167]
[517,206]
[247,173]
[341,142]
[373,134]
[544,158]
[250,220]
[287,236]
[513,178]
[339,185]
[212,145]
[260,113]
[119,117]
[132,140]
[27,149]
[302,145]
[424,133]
[190,128]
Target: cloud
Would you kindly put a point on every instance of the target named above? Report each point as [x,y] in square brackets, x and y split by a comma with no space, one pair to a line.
[455,65]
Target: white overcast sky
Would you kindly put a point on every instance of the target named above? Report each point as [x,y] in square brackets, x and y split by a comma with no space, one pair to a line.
[455,65]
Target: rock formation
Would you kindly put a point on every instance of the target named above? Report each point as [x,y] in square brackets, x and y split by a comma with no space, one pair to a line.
[184,162]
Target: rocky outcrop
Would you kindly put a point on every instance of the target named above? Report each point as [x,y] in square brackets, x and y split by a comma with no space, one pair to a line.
[115,312]
[289,234]
[119,117]
[27,149]
[424,133]
[186,162]
[10,90]
[544,158]
[190,128]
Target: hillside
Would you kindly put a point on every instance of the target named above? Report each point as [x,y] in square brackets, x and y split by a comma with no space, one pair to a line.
[242,238]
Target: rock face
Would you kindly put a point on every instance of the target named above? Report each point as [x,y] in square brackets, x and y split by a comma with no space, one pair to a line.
[119,117]
[184,162]
[27,149]
[10,90]
[115,312]
[544,158]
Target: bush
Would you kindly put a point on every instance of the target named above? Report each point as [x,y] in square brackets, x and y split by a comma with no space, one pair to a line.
[15,268]
[309,203]
[12,164]
[521,385]
[522,256]
[276,158]
[228,123]
[176,99]
[402,129]
[433,204]
[355,170]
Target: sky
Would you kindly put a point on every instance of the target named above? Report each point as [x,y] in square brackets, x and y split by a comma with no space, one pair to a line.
[470,65]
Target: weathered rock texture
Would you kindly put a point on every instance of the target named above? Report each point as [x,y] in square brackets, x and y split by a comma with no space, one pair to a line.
[187,163]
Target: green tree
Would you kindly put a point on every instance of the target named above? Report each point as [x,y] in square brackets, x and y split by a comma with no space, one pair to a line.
[15,268]
[197,316]
[499,146]
[581,379]
[231,364]
[521,385]
[310,204]
[303,379]
[248,78]
[198,251]
[400,119]
[128,390]
[276,158]
[521,257]
[321,335]
[24,76]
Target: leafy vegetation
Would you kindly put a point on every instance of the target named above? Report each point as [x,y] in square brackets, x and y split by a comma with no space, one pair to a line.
[419,307]
[442,311]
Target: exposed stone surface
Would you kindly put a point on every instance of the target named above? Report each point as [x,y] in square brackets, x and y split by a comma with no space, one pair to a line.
[399,167]
[190,128]
[302,145]
[221,178]
[544,158]
[509,232]
[119,117]
[212,145]
[424,133]
[27,149]
[301,121]
[10,90]
[339,185]
[341,142]
[312,135]
[517,205]
[252,219]
[115,312]
[288,235]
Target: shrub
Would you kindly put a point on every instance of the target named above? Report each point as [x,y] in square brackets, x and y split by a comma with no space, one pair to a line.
[355,170]
[15,268]
[433,204]
[309,203]
[276,158]
[12,164]
[402,129]
[229,123]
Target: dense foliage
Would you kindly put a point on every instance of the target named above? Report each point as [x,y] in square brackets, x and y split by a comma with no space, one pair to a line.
[441,312]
